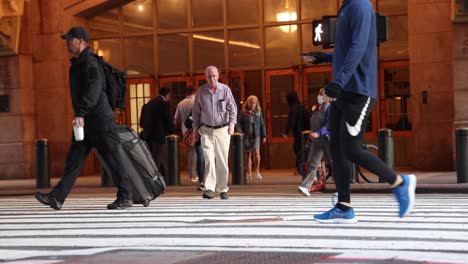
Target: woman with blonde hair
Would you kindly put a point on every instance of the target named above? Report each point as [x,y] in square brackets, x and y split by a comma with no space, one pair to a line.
[251,124]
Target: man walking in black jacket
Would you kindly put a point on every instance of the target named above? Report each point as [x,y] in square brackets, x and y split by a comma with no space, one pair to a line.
[92,112]
[157,122]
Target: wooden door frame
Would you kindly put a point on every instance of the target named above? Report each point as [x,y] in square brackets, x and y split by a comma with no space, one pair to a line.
[185,78]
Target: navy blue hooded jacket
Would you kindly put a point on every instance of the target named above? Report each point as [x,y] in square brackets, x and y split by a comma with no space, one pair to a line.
[355,56]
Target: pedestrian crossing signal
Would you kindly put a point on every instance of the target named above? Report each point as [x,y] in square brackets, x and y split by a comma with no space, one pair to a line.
[323,32]
[382,28]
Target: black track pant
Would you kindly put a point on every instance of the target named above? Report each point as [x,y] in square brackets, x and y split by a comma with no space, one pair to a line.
[347,125]
[106,143]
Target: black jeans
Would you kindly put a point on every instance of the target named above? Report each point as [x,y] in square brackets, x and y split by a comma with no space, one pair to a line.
[352,110]
[160,156]
[297,148]
[106,143]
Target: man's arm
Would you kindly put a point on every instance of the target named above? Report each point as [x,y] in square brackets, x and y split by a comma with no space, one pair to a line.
[142,116]
[92,91]
[177,117]
[196,112]
[317,57]
[231,107]
[360,30]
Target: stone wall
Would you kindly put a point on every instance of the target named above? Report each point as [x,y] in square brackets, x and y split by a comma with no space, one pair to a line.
[460,76]
[37,83]
[18,125]
[431,68]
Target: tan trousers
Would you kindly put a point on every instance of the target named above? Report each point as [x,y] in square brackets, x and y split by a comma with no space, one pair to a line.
[215,144]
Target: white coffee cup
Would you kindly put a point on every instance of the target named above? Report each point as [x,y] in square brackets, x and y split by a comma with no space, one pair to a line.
[78,132]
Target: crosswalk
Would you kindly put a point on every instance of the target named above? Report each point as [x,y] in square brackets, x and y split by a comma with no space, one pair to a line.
[436,231]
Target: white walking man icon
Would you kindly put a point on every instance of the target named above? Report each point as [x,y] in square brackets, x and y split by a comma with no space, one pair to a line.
[318,33]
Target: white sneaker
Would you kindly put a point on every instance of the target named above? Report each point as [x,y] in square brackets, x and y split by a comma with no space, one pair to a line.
[304,191]
[194,179]
[259,177]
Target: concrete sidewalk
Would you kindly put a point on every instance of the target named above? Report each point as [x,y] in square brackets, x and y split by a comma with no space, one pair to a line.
[274,183]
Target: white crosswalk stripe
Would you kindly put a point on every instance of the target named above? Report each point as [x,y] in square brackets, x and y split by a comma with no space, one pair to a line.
[436,231]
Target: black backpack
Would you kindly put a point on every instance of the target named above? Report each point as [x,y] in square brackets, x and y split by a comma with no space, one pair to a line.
[116,84]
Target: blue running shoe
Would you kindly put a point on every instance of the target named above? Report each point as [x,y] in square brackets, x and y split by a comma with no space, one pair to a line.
[336,216]
[405,194]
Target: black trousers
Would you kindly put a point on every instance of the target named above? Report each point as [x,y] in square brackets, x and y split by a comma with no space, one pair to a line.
[297,147]
[347,125]
[106,143]
[200,162]
[159,152]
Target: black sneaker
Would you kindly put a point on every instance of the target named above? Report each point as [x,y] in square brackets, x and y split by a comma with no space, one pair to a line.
[224,196]
[47,199]
[208,194]
[42,197]
[120,204]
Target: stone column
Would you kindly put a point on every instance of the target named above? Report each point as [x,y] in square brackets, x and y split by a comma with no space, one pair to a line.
[431,71]
[460,76]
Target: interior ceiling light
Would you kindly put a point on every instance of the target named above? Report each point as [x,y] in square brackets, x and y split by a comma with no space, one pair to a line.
[231,42]
[289,14]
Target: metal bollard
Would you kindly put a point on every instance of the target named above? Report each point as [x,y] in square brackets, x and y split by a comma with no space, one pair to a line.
[173,172]
[461,146]
[42,163]
[386,150]
[238,161]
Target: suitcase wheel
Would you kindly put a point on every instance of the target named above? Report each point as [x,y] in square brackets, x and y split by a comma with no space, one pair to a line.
[146,203]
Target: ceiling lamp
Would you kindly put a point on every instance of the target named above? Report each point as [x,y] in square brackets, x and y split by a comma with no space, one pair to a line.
[289,14]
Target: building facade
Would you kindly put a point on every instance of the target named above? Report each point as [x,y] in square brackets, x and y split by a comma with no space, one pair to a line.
[422,88]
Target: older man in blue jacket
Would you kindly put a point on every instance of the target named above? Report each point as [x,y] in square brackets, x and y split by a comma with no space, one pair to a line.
[354,91]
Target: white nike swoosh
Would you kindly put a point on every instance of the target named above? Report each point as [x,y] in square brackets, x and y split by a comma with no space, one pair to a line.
[354,130]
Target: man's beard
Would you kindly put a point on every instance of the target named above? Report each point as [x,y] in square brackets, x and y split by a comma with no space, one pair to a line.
[73,51]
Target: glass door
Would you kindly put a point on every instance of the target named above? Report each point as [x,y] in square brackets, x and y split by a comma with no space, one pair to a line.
[140,91]
[278,84]
[178,87]
[313,79]
[236,82]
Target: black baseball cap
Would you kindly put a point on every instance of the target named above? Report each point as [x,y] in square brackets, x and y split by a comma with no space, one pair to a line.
[76,32]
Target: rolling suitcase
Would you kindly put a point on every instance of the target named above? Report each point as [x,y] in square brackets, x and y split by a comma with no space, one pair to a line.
[144,175]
